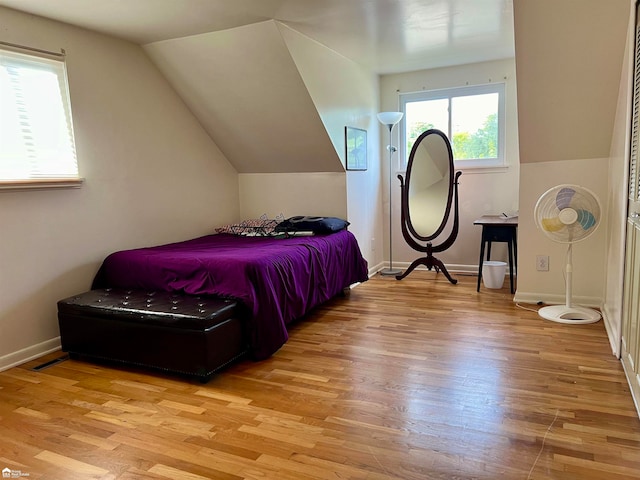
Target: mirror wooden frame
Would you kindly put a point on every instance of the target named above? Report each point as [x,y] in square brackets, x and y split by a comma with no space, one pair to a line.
[409,232]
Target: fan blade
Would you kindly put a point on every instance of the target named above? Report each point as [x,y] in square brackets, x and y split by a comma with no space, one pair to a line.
[586,219]
[564,197]
[551,224]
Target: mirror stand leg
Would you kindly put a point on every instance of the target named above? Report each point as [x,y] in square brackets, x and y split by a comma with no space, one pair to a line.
[414,264]
[430,262]
[439,265]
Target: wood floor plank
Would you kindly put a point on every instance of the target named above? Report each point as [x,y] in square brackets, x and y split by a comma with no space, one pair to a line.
[414,379]
[71,464]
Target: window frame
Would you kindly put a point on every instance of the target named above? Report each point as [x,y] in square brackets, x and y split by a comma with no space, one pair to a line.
[498,162]
[17,57]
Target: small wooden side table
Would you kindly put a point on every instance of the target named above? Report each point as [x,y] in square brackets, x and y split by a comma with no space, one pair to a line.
[498,229]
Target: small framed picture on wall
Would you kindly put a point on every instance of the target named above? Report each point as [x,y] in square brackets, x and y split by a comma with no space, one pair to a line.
[356,145]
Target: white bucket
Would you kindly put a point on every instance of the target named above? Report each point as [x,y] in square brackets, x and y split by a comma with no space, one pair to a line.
[493,274]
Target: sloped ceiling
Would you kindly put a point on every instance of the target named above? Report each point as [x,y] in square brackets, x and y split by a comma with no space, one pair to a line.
[230,63]
[244,87]
[568,67]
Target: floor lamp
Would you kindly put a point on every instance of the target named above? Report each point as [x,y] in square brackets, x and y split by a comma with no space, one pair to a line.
[390,119]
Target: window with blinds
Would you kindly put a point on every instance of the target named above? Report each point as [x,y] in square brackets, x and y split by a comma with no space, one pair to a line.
[36,128]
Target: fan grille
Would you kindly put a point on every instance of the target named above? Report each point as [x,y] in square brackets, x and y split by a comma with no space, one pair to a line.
[567,213]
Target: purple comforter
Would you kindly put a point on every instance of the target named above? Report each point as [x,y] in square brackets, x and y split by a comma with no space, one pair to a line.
[278,279]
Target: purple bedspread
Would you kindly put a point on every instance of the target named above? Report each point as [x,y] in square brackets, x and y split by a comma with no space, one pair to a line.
[278,279]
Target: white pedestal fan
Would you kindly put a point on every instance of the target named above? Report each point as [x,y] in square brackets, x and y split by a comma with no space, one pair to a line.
[568,214]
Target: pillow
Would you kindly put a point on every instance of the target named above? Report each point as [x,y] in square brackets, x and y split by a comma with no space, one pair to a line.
[312,224]
[255,227]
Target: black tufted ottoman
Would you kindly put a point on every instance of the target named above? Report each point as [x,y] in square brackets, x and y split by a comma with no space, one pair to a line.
[184,334]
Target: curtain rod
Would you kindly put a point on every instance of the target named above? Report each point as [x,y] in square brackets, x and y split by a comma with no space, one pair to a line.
[38,50]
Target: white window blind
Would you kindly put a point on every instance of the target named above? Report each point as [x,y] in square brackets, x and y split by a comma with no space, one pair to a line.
[36,128]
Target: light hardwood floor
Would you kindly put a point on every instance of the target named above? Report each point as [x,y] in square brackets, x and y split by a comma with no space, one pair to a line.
[416,379]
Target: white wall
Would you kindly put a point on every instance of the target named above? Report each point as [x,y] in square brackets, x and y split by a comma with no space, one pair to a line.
[152,176]
[290,194]
[480,193]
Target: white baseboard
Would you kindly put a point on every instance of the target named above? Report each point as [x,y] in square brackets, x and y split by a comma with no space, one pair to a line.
[375,269]
[452,268]
[613,330]
[551,299]
[29,353]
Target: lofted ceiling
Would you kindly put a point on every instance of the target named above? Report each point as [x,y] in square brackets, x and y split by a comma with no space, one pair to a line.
[272,40]
[384,36]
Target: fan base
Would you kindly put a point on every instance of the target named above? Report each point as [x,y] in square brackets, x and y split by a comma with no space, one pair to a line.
[570,315]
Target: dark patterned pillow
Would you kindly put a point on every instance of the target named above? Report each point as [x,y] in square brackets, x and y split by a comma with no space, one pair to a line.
[254,227]
[320,225]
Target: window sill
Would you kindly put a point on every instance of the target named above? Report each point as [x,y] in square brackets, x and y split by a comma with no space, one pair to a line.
[44,184]
[478,169]
[471,169]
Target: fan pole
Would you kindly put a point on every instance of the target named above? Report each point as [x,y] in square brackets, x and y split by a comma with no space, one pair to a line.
[569,276]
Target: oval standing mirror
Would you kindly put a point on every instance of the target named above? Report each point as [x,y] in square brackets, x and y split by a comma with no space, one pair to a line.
[427,196]
[429,183]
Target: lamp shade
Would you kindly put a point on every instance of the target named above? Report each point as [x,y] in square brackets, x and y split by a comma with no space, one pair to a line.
[390,118]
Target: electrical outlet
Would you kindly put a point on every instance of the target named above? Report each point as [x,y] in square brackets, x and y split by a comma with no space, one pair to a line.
[542,263]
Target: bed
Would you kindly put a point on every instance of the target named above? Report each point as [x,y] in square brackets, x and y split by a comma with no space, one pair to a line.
[276,279]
